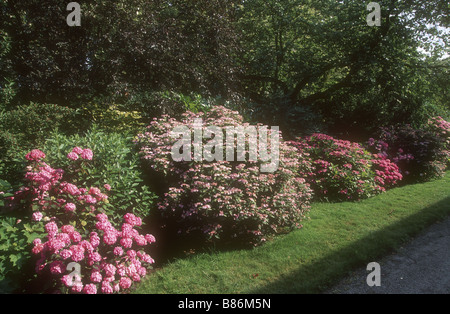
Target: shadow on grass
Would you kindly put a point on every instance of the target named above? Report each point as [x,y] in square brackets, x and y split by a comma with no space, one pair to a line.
[320,275]
[171,246]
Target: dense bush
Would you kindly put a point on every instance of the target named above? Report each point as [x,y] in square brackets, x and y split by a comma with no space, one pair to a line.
[116,163]
[80,227]
[421,154]
[344,170]
[87,208]
[224,201]
[441,128]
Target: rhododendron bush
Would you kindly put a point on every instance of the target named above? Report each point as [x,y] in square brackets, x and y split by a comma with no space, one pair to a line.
[344,170]
[110,254]
[223,201]
[421,154]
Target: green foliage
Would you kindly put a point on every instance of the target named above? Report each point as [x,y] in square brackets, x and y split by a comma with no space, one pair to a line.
[194,102]
[112,118]
[114,163]
[151,104]
[303,65]
[7,84]
[16,237]
[5,191]
[25,127]
[7,93]
[31,123]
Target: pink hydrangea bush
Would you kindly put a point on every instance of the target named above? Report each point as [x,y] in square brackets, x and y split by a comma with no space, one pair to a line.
[344,170]
[441,128]
[111,254]
[225,201]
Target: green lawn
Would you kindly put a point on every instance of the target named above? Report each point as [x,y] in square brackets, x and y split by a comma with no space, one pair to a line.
[337,239]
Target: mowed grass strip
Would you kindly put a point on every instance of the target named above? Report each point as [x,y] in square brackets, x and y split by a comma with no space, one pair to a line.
[335,240]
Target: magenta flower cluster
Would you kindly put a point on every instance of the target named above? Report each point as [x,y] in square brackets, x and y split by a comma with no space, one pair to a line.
[35,155]
[225,200]
[111,256]
[344,170]
[387,173]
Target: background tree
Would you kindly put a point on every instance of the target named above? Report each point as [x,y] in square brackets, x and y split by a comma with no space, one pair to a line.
[312,64]
[122,48]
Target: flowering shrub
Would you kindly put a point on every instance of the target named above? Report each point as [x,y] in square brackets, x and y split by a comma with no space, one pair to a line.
[441,128]
[343,170]
[420,154]
[224,200]
[111,256]
[115,164]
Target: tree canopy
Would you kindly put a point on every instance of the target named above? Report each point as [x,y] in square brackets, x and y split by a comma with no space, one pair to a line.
[121,47]
[300,64]
[320,57]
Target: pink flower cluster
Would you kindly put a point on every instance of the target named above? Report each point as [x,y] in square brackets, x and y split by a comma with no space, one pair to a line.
[382,148]
[111,259]
[441,128]
[77,152]
[387,173]
[35,155]
[103,271]
[43,178]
